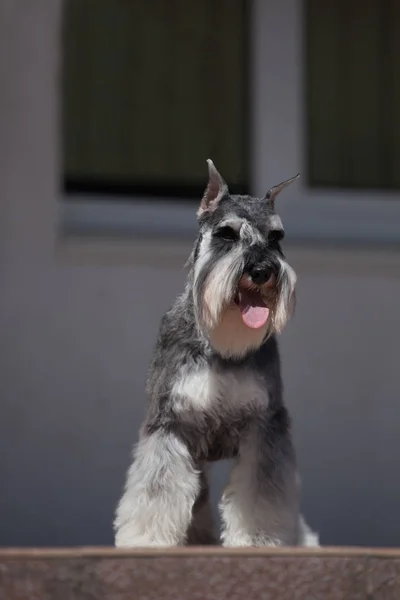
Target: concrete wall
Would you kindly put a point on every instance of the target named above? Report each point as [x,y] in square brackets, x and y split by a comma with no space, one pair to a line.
[78,321]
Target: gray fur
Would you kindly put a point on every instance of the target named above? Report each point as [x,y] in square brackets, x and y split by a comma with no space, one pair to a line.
[215,392]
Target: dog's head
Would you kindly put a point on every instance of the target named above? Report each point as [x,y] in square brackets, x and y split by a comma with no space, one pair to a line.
[243,288]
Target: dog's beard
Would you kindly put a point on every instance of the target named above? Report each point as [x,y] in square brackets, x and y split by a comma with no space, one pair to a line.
[217,293]
[281,298]
[270,304]
[215,283]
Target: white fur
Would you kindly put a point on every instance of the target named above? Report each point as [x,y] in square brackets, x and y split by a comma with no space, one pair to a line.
[202,257]
[232,221]
[201,261]
[219,286]
[208,389]
[275,222]
[307,537]
[161,488]
[250,235]
[282,310]
[232,338]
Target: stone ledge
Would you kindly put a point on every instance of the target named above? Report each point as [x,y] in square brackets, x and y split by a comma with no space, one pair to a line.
[200,573]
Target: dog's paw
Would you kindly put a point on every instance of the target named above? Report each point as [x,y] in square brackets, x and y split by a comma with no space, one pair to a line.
[126,538]
[307,537]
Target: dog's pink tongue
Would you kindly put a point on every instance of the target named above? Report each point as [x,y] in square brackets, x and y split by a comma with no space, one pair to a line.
[253,310]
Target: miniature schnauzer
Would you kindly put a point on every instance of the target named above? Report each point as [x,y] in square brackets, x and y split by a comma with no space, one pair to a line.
[215,391]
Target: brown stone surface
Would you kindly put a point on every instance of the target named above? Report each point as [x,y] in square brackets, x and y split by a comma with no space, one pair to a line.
[383,579]
[199,574]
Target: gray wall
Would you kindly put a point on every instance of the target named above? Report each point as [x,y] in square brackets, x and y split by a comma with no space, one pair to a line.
[78,321]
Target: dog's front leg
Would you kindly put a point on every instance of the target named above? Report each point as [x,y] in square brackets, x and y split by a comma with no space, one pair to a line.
[260,504]
[202,528]
[161,488]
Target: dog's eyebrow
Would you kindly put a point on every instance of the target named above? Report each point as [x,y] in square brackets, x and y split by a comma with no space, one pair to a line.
[274,222]
[250,234]
[233,222]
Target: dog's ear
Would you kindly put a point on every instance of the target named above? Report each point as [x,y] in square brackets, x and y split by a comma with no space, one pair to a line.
[274,191]
[215,190]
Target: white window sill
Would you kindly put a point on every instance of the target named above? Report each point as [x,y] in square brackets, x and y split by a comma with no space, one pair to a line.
[309,217]
[134,218]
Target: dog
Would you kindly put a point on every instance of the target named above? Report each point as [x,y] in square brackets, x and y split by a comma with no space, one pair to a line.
[215,391]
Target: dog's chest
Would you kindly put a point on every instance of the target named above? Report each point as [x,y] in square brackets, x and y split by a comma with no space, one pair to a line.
[217,404]
[221,394]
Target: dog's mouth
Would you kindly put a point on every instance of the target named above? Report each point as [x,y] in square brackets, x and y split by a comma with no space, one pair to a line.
[249,299]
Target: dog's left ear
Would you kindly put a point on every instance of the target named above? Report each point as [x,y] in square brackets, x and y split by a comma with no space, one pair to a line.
[274,191]
[215,190]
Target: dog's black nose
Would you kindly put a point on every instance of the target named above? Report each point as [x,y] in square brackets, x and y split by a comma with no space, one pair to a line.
[260,275]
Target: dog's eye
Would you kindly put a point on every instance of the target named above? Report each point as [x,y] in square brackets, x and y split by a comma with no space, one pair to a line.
[276,235]
[227,233]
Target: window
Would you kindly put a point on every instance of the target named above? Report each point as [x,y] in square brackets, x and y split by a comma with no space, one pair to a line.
[151,90]
[353,93]
[322,207]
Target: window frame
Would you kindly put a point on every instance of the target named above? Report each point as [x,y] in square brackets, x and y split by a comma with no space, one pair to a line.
[278,150]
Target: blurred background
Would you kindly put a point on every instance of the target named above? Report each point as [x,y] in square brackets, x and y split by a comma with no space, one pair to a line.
[108,112]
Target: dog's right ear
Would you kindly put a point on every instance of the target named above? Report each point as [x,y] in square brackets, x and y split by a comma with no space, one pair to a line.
[215,190]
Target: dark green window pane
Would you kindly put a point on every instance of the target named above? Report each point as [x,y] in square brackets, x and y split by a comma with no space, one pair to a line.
[152,89]
[353,93]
